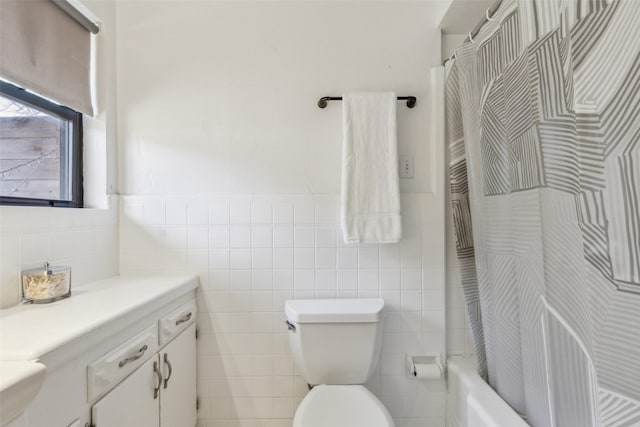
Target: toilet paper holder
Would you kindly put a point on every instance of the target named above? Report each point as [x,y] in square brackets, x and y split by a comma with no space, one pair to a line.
[433,362]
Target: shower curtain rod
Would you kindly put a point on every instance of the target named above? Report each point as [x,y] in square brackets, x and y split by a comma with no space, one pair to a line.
[322,102]
[472,35]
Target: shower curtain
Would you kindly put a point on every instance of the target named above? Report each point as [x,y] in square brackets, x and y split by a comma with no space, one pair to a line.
[543,123]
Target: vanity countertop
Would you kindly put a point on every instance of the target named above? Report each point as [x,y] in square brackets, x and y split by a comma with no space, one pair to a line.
[28,332]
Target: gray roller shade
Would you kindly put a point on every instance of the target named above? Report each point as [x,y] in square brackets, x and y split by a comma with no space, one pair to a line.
[45,50]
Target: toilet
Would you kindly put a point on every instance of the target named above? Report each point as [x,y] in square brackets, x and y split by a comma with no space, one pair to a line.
[336,346]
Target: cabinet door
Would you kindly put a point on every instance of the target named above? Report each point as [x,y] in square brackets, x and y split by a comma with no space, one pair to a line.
[178,394]
[133,402]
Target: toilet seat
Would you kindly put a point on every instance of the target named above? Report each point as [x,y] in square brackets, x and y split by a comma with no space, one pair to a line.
[341,406]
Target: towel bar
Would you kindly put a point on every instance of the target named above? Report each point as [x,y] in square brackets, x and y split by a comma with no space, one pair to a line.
[322,102]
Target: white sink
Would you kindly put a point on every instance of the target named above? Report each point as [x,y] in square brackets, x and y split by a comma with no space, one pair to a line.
[19,384]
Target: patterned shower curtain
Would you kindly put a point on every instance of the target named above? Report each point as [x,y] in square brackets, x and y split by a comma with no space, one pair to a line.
[543,121]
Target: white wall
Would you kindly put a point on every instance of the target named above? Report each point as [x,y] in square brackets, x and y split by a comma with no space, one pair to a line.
[100,162]
[449,44]
[230,89]
[228,168]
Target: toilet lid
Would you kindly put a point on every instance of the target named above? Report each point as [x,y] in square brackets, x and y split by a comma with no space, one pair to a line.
[341,406]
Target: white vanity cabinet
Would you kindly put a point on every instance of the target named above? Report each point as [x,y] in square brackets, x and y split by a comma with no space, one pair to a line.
[161,392]
[120,352]
[132,402]
[178,398]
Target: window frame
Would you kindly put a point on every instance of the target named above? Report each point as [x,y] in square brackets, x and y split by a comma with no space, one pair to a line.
[75,168]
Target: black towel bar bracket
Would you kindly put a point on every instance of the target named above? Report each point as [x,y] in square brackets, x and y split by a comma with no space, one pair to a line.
[322,102]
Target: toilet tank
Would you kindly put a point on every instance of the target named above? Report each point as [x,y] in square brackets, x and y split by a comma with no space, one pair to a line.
[335,341]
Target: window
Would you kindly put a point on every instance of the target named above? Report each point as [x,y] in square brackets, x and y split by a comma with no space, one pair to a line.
[40,151]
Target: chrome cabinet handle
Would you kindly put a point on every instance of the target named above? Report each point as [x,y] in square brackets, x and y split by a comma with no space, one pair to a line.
[133,358]
[166,361]
[156,390]
[184,318]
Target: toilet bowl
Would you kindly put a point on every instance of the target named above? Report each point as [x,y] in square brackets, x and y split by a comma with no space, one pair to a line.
[341,406]
[336,346]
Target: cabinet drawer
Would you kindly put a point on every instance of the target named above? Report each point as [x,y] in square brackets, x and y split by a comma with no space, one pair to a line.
[110,369]
[174,323]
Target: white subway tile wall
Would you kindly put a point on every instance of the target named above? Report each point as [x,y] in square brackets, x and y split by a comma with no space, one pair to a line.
[85,239]
[254,253]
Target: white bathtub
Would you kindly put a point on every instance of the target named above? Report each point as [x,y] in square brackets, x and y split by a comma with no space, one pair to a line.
[472,403]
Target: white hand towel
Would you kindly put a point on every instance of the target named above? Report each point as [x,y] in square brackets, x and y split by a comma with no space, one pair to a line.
[370,211]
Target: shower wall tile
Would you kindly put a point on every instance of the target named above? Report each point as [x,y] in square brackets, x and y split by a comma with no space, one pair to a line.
[252,253]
